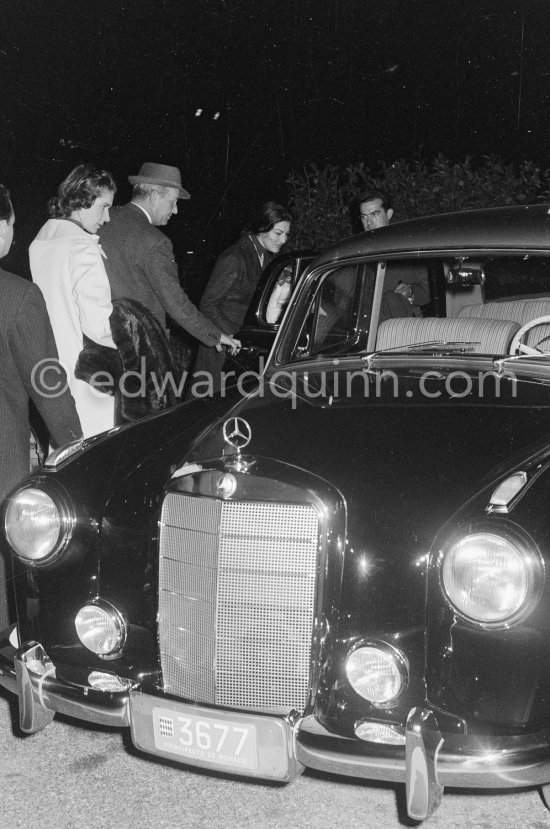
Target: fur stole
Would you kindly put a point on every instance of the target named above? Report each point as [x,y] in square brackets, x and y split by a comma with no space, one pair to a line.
[141,367]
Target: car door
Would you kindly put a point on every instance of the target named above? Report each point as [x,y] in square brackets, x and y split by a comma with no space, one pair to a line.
[266,310]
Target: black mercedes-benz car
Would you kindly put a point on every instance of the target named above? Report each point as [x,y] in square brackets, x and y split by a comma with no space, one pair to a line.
[339,564]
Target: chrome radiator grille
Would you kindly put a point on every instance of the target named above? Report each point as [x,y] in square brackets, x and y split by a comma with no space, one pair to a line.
[236,601]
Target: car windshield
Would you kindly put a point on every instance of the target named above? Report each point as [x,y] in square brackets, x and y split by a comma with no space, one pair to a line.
[446,303]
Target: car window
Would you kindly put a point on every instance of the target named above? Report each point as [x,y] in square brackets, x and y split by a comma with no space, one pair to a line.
[428,287]
[508,276]
[480,313]
[279,294]
[279,289]
[466,304]
[338,313]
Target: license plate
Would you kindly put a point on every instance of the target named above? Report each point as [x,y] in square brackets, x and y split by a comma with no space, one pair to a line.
[238,742]
[222,743]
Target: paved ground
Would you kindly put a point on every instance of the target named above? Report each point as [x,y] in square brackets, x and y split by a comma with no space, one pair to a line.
[72,775]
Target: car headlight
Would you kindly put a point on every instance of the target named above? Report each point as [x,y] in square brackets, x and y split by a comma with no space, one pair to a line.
[491,578]
[101,628]
[37,526]
[377,672]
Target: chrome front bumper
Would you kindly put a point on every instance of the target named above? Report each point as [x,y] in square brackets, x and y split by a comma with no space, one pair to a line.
[428,762]
[30,674]
[425,764]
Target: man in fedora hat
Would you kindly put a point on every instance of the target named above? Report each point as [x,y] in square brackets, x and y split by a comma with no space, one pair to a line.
[140,260]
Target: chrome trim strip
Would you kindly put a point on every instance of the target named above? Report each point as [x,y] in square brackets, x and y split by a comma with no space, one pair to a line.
[350,765]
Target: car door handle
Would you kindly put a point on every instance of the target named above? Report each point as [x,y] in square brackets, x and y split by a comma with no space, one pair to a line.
[250,349]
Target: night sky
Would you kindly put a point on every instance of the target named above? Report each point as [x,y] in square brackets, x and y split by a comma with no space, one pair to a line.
[239,92]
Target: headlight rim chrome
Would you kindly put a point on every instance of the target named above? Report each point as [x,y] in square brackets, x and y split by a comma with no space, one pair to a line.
[531,558]
[67,521]
[398,658]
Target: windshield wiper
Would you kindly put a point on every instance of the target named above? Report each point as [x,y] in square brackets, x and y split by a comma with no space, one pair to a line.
[452,345]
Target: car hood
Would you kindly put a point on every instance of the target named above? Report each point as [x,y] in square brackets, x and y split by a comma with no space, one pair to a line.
[403,468]
[393,444]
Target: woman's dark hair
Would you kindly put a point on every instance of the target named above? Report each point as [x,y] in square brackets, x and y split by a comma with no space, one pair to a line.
[6,207]
[80,190]
[267,216]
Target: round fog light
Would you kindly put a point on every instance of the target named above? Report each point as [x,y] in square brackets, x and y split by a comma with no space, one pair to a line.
[100,628]
[376,673]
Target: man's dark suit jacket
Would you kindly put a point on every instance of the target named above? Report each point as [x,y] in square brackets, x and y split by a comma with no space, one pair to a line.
[27,342]
[140,265]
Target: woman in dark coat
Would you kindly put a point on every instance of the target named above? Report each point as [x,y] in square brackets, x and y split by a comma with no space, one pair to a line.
[232,285]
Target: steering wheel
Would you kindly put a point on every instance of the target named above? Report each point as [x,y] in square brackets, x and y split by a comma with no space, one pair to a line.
[517,347]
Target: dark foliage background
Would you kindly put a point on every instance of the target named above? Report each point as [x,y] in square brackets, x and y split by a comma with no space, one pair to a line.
[324,199]
[242,94]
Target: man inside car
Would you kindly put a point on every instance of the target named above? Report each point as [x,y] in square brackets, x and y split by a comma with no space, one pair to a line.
[406,289]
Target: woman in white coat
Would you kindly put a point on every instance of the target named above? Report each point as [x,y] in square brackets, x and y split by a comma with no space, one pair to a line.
[67,265]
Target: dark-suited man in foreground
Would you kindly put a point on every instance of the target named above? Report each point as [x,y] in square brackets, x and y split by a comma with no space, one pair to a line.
[140,260]
[29,368]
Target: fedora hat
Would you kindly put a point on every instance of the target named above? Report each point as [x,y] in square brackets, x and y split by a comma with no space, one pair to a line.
[162,175]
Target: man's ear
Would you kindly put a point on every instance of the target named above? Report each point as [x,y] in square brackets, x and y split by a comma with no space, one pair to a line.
[389,212]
